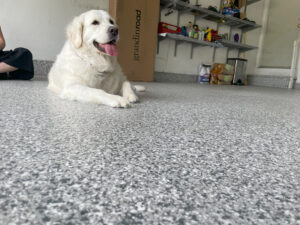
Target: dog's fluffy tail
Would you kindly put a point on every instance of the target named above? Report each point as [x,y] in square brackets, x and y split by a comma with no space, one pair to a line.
[139,88]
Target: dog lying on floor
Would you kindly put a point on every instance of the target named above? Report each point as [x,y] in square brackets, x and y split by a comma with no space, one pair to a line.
[87,69]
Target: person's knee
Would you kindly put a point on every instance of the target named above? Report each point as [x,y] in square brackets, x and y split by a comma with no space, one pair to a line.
[29,76]
[24,51]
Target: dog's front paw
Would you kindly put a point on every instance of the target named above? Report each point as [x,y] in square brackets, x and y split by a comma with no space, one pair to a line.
[119,102]
[132,98]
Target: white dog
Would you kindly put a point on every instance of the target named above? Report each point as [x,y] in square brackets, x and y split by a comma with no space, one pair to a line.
[87,69]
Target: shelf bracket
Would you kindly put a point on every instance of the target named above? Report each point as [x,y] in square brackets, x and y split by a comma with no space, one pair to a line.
[175,50]
[177,42]
[192,51]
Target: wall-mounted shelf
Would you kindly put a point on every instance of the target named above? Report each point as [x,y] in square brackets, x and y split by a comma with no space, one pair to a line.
[199,43]
[177,37]
[204,13]
[236,45]
[244,25]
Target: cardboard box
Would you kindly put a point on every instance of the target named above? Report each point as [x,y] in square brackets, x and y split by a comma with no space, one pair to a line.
[243,15]
[138,22]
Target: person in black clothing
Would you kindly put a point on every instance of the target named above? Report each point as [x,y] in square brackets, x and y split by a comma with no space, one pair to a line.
[15,64]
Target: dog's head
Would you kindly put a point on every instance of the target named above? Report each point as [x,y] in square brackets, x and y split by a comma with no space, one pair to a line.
[96,31]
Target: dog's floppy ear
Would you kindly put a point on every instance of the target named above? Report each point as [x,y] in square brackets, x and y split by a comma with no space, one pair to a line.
[74,31]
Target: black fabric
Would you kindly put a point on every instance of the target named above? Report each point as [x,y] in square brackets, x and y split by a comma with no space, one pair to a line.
[20,58]
[17,75]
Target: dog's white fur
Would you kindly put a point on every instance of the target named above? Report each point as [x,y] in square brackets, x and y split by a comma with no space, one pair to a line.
[81,72]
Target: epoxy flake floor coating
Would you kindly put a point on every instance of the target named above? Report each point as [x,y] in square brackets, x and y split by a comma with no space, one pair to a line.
[187,154]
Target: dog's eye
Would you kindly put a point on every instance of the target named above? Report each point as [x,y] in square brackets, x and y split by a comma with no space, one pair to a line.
[111,22]
[95,22]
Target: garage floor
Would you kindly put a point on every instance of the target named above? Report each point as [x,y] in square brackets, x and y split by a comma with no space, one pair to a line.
[187,154]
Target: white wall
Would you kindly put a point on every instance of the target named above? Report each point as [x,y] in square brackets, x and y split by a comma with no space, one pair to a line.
[298,65]
[166,62]
[39,25]
[281,33]
[254,12]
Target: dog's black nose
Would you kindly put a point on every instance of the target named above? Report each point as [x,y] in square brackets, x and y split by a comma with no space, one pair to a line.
[113,31]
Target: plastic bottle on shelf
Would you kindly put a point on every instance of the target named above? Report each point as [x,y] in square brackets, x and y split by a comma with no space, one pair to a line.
[204,74]
[190,30]
[202,33]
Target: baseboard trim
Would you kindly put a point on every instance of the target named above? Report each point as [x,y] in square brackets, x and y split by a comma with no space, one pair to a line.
[174,78]
[269,81]
[253,80]
[42,68]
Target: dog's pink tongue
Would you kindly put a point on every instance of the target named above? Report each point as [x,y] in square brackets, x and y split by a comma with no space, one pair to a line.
[111,49]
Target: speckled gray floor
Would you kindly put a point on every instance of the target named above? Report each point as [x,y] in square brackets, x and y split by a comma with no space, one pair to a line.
[187,154]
